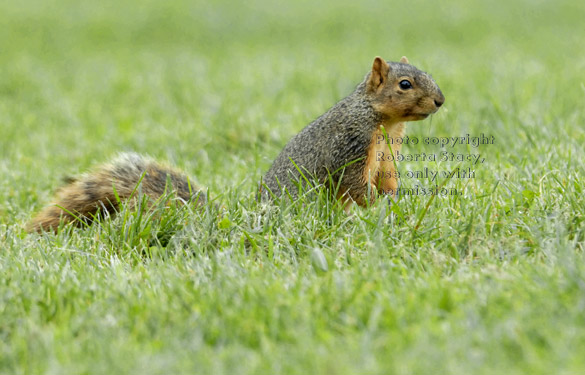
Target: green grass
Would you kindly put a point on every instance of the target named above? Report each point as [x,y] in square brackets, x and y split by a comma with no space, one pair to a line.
[488,282]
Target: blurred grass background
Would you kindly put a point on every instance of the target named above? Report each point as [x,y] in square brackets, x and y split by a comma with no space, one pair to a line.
[217,88]
[80,81]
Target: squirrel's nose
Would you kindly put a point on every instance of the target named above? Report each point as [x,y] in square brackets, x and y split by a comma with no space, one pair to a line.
[440,99]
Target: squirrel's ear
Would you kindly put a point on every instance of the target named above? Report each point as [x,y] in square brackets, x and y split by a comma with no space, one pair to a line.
[379,76]
[404,60]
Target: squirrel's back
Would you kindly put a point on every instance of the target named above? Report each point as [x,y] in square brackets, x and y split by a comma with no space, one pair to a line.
[106,186]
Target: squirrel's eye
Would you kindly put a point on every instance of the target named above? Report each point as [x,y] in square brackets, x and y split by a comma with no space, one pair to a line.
[405,85]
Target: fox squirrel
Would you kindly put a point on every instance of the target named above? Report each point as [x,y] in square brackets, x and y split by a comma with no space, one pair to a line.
[345,141]
[340,146]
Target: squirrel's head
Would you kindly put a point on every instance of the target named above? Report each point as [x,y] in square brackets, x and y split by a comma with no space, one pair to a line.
[401,92]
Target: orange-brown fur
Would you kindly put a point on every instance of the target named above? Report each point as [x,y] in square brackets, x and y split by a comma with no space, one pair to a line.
[388,184]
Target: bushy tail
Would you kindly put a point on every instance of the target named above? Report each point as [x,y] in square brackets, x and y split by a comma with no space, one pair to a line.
[105,187]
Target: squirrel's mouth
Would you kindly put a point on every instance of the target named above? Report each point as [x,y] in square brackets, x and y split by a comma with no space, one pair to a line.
[416,116]
[422,115]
